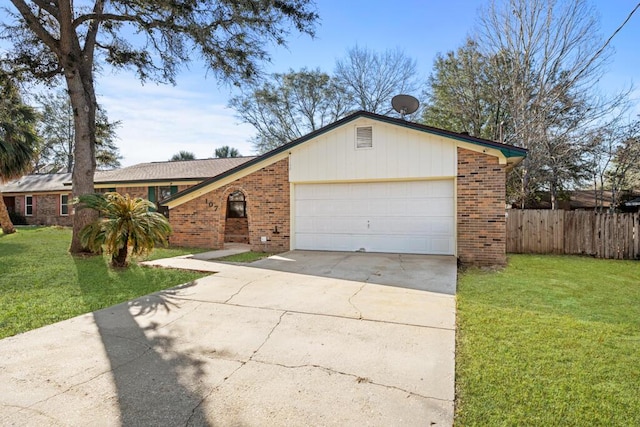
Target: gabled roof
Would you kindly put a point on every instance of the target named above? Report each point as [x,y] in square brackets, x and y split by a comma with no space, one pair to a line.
[38,183]
[512,153]
[185,170]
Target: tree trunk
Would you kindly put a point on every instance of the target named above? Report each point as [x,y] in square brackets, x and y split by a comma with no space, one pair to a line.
[553,192]
[83,101]
[5,220]
[119,259]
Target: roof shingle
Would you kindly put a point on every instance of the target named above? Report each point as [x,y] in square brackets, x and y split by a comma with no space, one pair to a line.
[171,171]
[187,170]
[38,183]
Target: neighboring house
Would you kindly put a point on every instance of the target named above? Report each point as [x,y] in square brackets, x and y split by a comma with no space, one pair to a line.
[41,199]
[633,204]
[364,183]
[44,199]
[580,200]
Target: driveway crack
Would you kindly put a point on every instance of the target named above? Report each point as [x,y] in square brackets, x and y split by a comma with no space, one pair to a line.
[88,380]
[242,363]
[268,336]
[242,288]
[160,326]
[358,378]
[336,264]
[30,408]
[353,305]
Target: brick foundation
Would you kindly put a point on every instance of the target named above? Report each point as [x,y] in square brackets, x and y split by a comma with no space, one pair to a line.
[481,209]
[201,222]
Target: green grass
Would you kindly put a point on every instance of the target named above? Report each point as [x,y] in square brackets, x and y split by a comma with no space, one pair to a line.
[245,257]
[41,283]
[550,340]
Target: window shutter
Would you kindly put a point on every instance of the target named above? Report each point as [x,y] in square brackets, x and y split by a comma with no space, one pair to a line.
[174,189]
[364,137]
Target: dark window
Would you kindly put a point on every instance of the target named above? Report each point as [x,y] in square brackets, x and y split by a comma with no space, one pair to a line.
[158,194]
[28,205]
[236,205]
[164,192]
[64,204]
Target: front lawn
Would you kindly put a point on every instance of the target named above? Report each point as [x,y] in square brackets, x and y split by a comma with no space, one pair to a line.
[40,283]
[245,257]
[550,340]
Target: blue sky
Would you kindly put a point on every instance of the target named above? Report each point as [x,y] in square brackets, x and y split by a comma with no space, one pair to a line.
[160,120]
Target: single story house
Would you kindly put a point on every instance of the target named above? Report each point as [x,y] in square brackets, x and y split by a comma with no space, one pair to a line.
[585,200]
[44,199]
[364,183]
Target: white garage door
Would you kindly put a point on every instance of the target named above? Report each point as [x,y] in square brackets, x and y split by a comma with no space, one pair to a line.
[397,217]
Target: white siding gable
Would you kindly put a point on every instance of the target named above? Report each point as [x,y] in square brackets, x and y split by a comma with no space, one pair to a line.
[397,153]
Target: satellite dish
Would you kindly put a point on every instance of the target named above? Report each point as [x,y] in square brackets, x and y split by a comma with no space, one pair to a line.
[404,104]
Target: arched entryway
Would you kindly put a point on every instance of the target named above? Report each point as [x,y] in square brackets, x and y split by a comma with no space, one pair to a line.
[236,229]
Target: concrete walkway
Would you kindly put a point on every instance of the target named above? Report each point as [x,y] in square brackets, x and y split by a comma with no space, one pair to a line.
[244,346]
[228,250]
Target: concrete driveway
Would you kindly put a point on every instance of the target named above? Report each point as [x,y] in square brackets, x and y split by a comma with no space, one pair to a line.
[423,272]
[244,346]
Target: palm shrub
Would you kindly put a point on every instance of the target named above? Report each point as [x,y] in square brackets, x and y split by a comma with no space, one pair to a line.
[125,226]
[18,139]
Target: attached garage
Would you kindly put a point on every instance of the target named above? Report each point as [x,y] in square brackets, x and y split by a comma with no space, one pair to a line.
[364,183]
[397,217]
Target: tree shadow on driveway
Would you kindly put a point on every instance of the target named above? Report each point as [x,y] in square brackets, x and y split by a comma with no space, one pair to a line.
[156,381]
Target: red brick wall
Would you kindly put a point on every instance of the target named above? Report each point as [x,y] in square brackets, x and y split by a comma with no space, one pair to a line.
[481,209]
[46,207]
[236,230]
[201,222]
[46,210]
[133,192]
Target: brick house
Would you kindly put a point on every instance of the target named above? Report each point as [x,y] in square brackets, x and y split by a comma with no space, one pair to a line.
[364,183]
[44,199]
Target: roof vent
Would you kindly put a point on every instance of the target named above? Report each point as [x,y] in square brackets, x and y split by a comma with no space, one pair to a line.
[364,137]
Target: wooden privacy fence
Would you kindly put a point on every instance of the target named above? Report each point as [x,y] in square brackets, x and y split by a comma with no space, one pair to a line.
[603,235]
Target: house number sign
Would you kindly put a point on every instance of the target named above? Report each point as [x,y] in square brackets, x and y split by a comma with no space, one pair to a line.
[211,204]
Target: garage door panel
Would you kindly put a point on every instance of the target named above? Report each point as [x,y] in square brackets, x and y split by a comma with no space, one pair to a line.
[324,242]
[442,227]
[404,217]
[440,246]
[440,189]
[379,206]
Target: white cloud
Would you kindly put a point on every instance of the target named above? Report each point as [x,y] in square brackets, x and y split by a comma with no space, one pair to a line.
[158,120]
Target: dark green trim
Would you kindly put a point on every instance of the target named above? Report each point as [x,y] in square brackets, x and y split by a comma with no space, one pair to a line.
[151,192]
